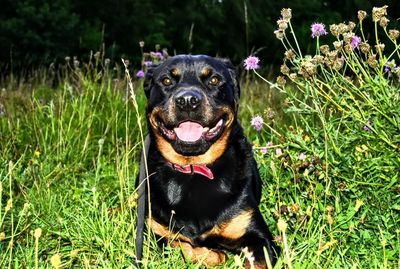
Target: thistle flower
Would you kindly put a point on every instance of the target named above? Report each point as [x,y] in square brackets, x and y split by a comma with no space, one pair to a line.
[355,42]
[390,66]
[257,122]
[378,13]
[147,63]
[302,156]
[251,63]
[318,29]
[140,74]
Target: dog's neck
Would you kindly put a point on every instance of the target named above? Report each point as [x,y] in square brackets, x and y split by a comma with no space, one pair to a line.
[191,169]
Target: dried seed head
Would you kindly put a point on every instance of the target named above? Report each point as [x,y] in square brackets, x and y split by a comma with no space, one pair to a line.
[307,69]
[380,47]
[361,15]
[338,44]
[285,69]
[141,44]
[9,205]
[348,48]
[38,233]
[338,64]
[347,37]
[394,34]
[351,26]
[55,261]
[281,81]
[383,22]
[378,13]
[282,24]
[324,49]
[318,59]
[365,47]
[2,236]
[372,62]
[293,76]
[334,28]
[290,55]
[280,34]
[343,28]
[282,225]
[286,14]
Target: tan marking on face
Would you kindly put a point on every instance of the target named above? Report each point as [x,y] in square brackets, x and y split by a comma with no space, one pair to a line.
[232,229]
[213,153]
[175,72]
[205,72]
[200,255]
[164,232]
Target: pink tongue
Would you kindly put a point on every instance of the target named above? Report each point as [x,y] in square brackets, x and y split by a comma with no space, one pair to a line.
[189,131]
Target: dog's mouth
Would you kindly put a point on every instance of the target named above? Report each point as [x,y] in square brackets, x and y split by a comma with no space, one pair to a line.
[192,132]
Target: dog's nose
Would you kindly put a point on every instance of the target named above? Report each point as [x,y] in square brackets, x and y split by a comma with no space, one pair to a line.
[188,99]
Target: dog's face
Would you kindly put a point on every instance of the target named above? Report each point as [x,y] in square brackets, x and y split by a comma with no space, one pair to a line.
[192,104]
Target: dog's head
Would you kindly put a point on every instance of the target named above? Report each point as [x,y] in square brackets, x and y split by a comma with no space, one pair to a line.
[192,105]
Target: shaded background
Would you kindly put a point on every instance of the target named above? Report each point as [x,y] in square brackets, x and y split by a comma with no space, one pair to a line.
[40,32]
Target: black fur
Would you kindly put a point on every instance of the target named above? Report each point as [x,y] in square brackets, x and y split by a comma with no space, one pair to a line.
[190,203]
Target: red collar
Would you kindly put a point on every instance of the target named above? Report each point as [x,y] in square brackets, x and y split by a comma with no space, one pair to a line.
[201,169]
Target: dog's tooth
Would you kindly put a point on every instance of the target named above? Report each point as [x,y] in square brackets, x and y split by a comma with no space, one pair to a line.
[206,129]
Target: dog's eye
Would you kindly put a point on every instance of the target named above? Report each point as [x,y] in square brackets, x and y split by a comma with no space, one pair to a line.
[214,81]
[166,81]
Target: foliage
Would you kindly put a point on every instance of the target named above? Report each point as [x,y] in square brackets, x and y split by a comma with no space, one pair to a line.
[38,33]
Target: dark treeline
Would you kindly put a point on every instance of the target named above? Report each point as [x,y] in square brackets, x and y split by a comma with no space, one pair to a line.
[39,32]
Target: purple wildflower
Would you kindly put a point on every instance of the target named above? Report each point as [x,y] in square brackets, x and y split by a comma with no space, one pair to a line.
[147,63]
[278,152]
[390,66]
[318,29]
[367,126]
[251,63]
[302,156]
[264,150]
[257,123]
[140,74]
[159,55]
[355,41]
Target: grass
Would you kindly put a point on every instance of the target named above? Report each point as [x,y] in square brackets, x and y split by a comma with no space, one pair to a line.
[329,158]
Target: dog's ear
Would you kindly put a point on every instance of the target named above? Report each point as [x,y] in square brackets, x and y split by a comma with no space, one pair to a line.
[235,78]
[148,80]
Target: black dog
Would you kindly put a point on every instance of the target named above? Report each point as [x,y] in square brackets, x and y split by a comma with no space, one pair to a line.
[204,185]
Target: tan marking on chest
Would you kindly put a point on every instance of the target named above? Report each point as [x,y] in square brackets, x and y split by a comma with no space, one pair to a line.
[164,232]
[234,228]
